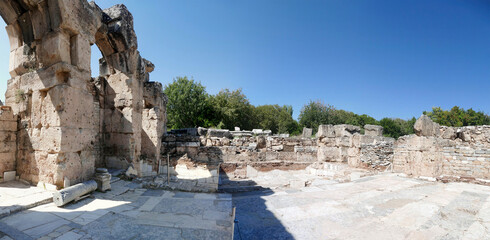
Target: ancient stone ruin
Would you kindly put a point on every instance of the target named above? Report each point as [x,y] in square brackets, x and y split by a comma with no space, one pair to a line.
[446,153]
[60,124]
[64,134]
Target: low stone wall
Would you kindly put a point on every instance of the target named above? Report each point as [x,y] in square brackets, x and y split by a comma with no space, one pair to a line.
[218,148]
[344,143]
[237,156]
[437,152]
[8,138]
[444,152]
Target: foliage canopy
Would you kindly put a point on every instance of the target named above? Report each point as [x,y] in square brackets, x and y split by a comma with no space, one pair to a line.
[189,105]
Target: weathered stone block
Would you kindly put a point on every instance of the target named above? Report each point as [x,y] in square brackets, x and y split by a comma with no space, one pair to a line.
[345,141]
[40,20]
[346,130]
[424,126]
[328,154]
[220,133]
[80,52]
[55,48]
[325,131]
[103,181]
[6,136]
[8,12]
[16,61]
[9,176]
[373,130]
[8,126]
[15,35]
[7,146]
[307,132]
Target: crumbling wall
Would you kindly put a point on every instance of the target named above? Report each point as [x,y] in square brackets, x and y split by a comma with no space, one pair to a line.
[444,152]
[263,148]
[376,151]
[8,137]
[218,148]
[65,116]
[237,152]
[344,143]
[133,108]
[50,88]
[153,124]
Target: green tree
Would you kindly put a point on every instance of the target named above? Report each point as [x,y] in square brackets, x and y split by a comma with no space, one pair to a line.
[344,117]
[366,119]
[390,128]
[316,113]
[397,127]
[278,119]
[458,117]
[232,109]
[406,127]
[188,104]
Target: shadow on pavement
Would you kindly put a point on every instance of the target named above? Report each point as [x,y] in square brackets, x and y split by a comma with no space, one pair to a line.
[253,220]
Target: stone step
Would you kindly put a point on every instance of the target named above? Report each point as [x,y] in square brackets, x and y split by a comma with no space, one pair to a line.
[237,183]
[237,189]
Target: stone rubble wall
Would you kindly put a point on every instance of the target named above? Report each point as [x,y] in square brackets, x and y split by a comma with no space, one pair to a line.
[8,140]
[237,155]
[444,152]
[218,148]
[456,153]
[344,143]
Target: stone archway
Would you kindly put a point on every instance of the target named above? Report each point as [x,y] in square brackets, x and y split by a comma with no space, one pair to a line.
[63,114]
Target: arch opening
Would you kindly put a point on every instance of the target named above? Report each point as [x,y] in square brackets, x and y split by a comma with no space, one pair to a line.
[95,57]
[4,61]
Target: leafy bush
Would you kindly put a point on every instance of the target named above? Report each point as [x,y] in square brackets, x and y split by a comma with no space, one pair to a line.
[458,117]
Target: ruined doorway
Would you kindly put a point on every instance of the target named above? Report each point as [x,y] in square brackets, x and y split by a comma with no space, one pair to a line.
[95,56]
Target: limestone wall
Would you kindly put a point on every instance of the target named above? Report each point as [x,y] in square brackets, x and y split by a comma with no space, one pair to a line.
[68,122]
[8,137]
[444,152]
[344,143]
[217,148]
[236,155]
[133,108]
[50,88]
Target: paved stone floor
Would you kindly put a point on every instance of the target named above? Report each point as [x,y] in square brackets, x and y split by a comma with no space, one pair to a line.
[126,212]
[17,196]
[383,206]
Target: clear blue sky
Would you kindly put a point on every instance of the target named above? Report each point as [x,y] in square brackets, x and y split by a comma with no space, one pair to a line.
[388,58]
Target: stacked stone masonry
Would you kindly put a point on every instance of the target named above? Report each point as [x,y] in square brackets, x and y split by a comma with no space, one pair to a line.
[344,143]
[444,152]
[69,123]
[8,137]
[235,153]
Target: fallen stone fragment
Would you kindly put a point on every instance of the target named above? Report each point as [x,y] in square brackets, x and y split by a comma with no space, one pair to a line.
[69,194]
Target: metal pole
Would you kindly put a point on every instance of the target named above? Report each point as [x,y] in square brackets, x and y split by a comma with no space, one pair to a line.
[233,223]
[168,168]
[159,165]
